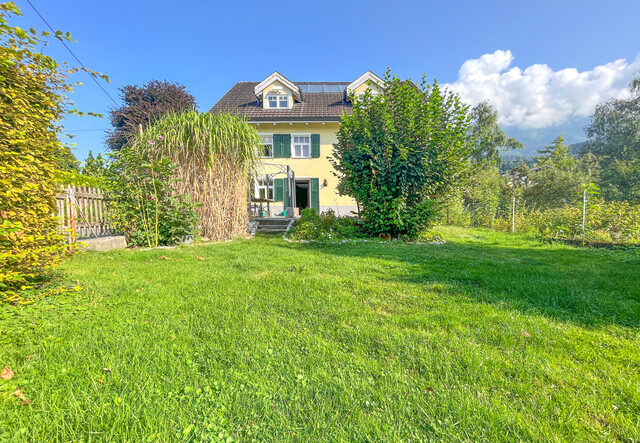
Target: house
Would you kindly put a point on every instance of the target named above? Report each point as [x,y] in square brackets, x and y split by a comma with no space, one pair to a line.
[298,123]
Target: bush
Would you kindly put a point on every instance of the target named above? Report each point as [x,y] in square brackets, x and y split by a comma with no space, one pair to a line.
[617,222]
[400,153]
[141,203]
[32,105]
[326,226]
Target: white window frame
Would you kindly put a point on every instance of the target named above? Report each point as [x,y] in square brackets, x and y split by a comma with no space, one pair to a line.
[263,143]
[293,145]
[279,98]
[263,183]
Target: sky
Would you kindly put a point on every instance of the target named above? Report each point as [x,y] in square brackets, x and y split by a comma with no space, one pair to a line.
[543,65]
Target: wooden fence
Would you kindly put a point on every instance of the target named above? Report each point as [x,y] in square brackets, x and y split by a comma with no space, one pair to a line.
[82,213]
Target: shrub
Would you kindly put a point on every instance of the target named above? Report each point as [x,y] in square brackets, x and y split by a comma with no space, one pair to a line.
[326,226]
[142,204]
[399,153]
[33,90]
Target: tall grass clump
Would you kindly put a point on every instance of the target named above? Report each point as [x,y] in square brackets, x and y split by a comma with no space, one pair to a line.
[215,155]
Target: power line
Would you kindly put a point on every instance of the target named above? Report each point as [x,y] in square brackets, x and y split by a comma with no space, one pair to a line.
[87,130]
[71,52]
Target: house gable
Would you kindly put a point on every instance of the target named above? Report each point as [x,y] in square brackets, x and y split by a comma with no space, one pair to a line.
[277,88]
[368,80]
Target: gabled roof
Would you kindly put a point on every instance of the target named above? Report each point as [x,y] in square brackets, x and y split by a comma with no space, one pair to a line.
[276,76]
[364,78]
[314,101]
[317,106]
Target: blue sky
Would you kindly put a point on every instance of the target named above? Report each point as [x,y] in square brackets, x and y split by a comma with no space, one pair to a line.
[542,64]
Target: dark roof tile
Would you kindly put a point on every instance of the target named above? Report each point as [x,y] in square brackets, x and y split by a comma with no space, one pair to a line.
[316,106]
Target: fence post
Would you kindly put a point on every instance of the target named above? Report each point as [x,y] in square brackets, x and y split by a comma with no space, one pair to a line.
[513,214]
[71,208]
[584,212]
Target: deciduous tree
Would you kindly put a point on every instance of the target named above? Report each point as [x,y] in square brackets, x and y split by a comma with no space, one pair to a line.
[143,105]
[400,153]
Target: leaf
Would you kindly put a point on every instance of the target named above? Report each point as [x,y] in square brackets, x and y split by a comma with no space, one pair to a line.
[526,334]
[6,374]
[164,257]
[18,393]
[106,369]
[199,258]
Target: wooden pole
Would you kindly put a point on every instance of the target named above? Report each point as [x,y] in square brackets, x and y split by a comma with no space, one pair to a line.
[584,212]
[513,215]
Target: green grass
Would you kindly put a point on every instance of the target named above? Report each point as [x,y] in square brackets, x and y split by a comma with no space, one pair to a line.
[489,337]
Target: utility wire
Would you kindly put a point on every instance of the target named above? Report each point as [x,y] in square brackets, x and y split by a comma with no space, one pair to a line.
[87,130]
[71,52]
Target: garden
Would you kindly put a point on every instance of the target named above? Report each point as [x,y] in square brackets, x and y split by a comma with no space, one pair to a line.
[488,337]
[448,308]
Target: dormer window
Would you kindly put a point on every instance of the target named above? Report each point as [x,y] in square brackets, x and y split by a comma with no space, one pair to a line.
[278,101]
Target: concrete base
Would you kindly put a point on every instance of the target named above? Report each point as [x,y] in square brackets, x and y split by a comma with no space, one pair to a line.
[103,244]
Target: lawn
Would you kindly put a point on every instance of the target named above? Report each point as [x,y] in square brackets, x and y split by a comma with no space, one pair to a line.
[488,337]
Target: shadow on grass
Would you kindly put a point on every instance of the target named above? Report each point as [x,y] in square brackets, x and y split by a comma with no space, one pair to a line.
[584,286]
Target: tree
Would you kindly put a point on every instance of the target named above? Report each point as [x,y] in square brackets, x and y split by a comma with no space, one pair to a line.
[486,137]
[614,136]
[144,105]
[400,152]
[95,166]
[555,179]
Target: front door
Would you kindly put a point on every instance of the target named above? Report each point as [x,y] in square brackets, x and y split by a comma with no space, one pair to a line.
[303,194]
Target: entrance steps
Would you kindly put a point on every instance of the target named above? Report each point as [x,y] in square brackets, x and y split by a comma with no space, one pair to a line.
[274,225]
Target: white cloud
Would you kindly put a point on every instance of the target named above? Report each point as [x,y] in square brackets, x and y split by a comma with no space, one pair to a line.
[539,97]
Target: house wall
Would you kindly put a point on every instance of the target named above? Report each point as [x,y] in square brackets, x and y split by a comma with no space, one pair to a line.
[310,167]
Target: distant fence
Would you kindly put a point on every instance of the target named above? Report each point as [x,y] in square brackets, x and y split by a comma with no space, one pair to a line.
[82,213]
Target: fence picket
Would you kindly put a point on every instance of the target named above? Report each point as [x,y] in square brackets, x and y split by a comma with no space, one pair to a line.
[81,210]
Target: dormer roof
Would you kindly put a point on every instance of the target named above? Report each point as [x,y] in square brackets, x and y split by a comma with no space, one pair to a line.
[364,78]
[276,76]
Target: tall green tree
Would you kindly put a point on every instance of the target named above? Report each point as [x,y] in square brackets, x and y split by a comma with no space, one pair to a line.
[144,105]
[614,136]
[400,152]
[486,137]
[555,178]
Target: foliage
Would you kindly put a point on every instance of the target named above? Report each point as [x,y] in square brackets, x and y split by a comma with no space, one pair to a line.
[555,178]
[95,166]
[486,137]
[326,226]
[614,136]
[144,105]
[484,194]
[400,152]
[214,155]
[141,202]
[67,160]
[33,89]
[488,338]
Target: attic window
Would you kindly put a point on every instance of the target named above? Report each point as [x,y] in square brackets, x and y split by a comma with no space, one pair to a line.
[275,101]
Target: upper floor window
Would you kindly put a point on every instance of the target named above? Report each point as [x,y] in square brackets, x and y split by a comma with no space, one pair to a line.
[267,145]
[301,146]
[275,101]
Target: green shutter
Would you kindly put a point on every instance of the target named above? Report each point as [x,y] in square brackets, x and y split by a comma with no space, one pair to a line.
[282,145]
[278,189]
[315,194]
[315,145]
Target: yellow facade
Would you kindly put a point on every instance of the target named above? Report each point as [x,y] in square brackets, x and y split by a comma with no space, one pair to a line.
[306,168]
[283,90]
